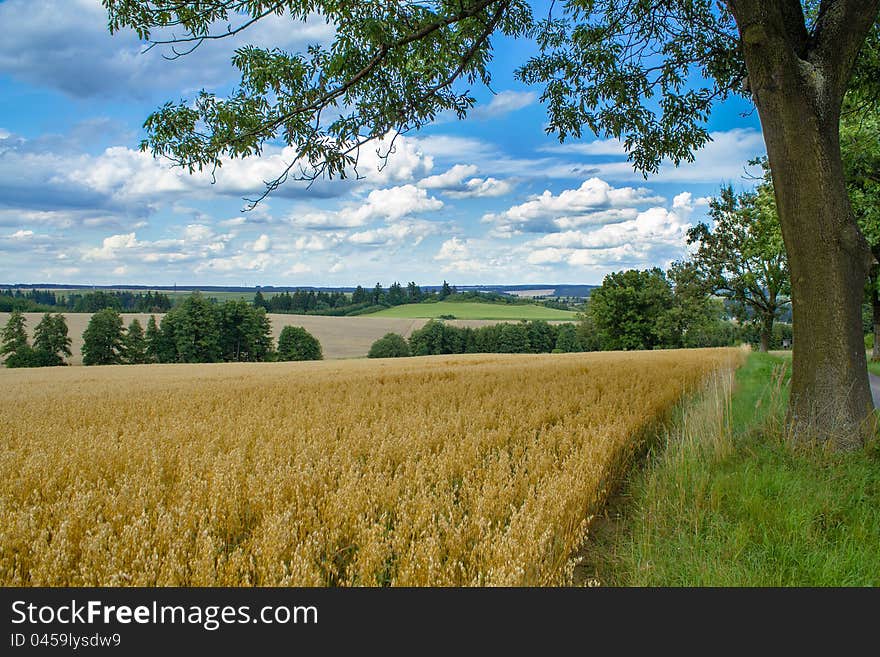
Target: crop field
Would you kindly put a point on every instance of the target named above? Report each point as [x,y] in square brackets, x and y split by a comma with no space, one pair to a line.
[442,470]
[476,310]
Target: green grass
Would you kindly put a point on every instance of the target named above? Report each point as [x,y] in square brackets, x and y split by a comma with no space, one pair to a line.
[475,310]
[745,508]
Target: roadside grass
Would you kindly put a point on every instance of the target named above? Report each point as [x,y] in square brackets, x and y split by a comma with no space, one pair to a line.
[475,310]
[725,501]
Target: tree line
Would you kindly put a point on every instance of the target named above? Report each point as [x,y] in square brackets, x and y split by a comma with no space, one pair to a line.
[89,302]
[195,331]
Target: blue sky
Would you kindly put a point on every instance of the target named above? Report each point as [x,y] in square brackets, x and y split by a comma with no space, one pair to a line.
[492,199]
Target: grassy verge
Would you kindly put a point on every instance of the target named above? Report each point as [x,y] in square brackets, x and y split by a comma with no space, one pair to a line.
[725,502]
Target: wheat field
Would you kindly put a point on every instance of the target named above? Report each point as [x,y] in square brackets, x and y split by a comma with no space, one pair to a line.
[442,470]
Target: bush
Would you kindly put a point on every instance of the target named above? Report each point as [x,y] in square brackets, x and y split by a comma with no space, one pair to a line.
[30,357]
[391,345]
[295,343]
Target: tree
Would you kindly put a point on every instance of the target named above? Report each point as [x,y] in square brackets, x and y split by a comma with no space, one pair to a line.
[860,145]
[14,335]
[50,338]
[195,327]
[135,344]
[445,291]
[428,340]
[626,309]
[102,339]
[567,339]
[260,301]
[514,339]
[359,295]
[295,343]
[541,338]
[647,73]
[742,256]
[245,332]
[153,339]
[391,345]
[396,295]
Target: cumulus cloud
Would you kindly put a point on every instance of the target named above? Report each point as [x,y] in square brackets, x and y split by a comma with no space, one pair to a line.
[594,202]
[458,182]
[450,179]
[391,204]
[654,236]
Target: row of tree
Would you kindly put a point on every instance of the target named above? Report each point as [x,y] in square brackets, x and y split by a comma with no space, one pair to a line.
[195,331]
[89,302]
[338,303]
[51,342]
[435,338]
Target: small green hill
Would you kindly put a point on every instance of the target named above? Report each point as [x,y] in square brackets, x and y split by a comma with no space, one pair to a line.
[475,310]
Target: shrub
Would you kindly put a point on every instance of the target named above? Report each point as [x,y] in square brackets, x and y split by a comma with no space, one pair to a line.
[391,345]
[295,343]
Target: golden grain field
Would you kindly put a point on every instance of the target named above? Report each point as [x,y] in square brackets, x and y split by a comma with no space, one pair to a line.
[458,470]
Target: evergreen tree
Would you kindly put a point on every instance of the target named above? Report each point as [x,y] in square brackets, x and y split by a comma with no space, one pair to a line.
[135,343]
[102,339]
[153,340]
[14,335]
[51,340]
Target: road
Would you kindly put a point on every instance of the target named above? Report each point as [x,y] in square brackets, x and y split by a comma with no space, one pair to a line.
[875,389]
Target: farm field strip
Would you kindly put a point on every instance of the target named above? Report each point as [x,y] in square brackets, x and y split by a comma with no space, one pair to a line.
[443,470]
[476,310]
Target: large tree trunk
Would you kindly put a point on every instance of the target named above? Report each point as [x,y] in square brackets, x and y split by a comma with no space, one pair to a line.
[766,331]
[875,305]
[798,96]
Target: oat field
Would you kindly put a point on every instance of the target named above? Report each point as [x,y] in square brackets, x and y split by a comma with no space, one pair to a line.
[443,470]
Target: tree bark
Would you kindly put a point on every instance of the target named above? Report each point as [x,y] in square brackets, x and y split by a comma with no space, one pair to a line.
[798,86]
[766,331]
[875,304]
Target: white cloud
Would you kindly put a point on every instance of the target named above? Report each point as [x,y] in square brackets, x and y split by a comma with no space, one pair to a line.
[410,233]
[722,160]
[453,182]
[505,102]
[594,202]
[452,249]
[65,44]
[390,204]
[596,147]
[450,179]
[652,237]
[483,187]
[261,244]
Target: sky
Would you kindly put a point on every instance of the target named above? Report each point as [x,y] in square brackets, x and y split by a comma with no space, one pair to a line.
[492,199]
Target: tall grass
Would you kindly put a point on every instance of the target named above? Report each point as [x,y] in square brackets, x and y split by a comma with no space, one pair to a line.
[729,502]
